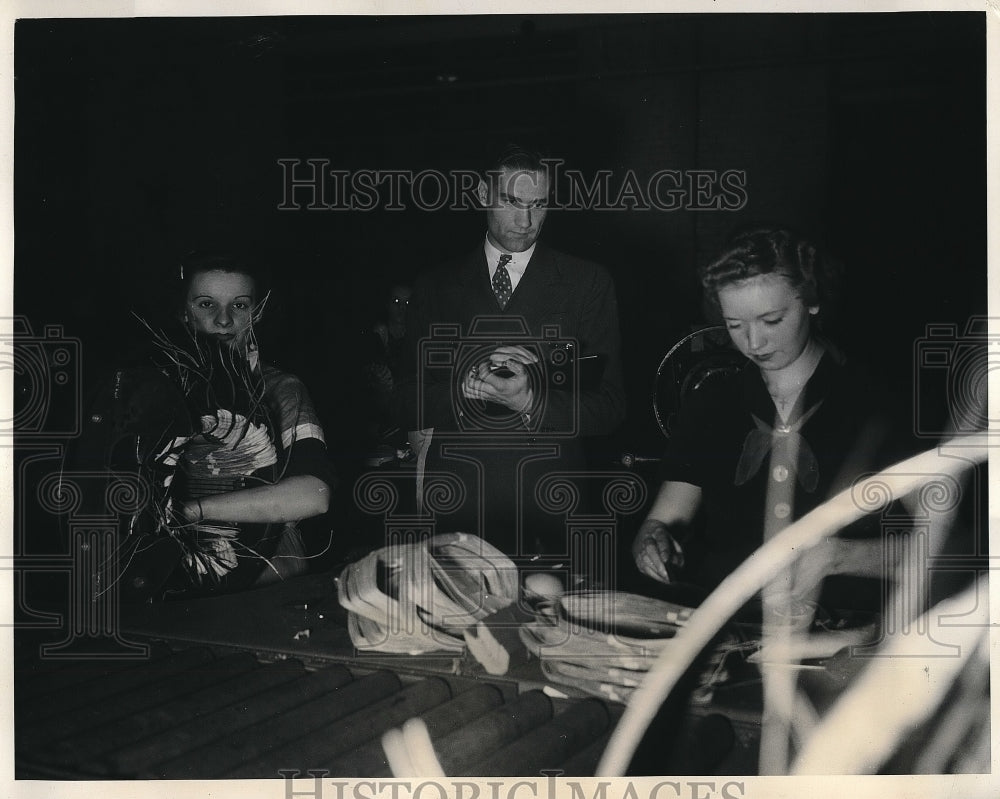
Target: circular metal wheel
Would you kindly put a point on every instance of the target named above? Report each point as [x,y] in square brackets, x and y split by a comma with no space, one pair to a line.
[700,357]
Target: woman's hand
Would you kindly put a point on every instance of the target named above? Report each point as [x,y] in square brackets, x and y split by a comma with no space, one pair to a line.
[655,550]
[859,557]
[657,553]
[815,564]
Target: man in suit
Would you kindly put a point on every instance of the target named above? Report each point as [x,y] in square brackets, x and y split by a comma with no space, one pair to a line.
[512,356]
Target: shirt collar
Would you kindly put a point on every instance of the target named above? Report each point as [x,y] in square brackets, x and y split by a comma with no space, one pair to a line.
[517,264]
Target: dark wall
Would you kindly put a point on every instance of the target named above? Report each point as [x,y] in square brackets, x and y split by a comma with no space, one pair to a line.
[138,140]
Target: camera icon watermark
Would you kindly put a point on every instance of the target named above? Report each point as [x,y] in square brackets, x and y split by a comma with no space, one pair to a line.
[46,377]
[448,354]
[951,376]
[90,513]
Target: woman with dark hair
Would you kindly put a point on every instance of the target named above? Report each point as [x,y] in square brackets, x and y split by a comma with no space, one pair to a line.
[243,459]
[753,451]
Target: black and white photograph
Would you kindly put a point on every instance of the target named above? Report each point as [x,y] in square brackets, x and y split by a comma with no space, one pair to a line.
[478,404]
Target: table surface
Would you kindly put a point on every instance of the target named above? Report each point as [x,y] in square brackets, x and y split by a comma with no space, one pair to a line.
[302,618]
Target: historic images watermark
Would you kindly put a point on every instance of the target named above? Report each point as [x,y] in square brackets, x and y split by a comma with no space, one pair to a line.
[315,184]
[952,367]
[545,787]
[82,508]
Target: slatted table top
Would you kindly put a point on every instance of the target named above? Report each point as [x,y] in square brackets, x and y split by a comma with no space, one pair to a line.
[247,684]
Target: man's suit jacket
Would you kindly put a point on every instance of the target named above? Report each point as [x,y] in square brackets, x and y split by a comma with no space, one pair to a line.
[559,299]
[573,296]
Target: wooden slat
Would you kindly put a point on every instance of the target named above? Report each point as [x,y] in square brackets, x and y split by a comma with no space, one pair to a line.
[86,734]
[347,733]
[470,743]
[110,740]
[143,756]
[547,746]
[69,698]
[35,676]
[368,760]
[138,700]
[584,763]
[256,742]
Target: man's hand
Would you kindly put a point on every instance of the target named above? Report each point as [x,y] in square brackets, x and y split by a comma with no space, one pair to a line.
[504,378]
[657,553]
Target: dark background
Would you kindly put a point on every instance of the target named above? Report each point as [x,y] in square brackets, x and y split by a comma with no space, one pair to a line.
[137,140]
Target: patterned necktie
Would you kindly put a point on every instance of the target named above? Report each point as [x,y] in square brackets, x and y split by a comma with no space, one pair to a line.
[501,281]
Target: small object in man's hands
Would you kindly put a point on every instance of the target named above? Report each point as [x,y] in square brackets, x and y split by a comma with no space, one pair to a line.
[501,370]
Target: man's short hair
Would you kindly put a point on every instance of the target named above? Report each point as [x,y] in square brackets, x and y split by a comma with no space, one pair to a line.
[515,157]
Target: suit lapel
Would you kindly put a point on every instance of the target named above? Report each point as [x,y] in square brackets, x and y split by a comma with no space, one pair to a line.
[539,287]
[475,288]
[540,290]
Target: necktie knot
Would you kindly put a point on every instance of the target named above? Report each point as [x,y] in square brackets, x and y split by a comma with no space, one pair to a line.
[501,281]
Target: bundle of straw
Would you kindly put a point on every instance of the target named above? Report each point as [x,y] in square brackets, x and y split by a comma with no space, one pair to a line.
[425,596]
[604,642]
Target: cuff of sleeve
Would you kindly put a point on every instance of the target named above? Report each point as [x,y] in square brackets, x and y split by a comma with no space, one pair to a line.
[529,414]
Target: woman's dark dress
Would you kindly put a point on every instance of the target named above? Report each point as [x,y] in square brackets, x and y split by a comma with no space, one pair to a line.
[721,445]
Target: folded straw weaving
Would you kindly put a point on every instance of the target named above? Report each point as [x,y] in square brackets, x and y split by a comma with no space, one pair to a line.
[421,597]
